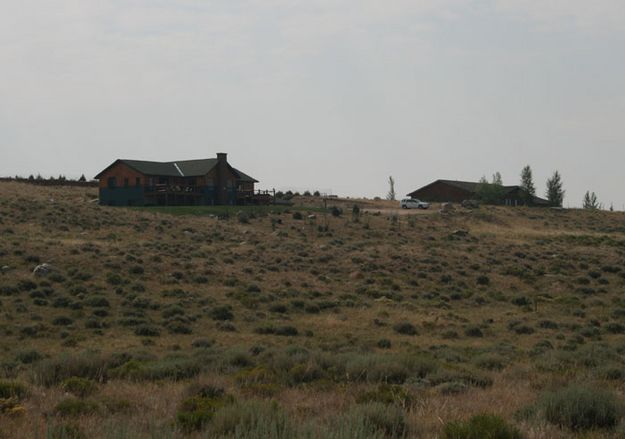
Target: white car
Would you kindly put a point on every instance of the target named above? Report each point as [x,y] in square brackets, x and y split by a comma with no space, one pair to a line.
[413,203]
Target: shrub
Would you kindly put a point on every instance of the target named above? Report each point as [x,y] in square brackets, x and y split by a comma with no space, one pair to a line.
[175,368]
[253,419]
[28,357]
[222,313]
[97,302]
[75,407]
[147,331]
[62,321]
[483,280]
[380,418]
[288,331]
[196,411]
[243,217]
[12,389]
[65,431]
[489,361]
[405,328]
[84,365]
[386,394]
[136,269]
[521,301]
[81,387]
[473,331]
[384,343]
[582,408]
[481,427]
[615,328]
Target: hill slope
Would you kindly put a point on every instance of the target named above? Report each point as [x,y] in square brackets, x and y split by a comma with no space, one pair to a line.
[369,324]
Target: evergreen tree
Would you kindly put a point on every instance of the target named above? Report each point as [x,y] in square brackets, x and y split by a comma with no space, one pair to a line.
[555,193]
[527,184]
[391,191]
[590,201]
[82,178]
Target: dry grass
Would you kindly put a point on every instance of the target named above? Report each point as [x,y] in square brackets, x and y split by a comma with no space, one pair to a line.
[528,301]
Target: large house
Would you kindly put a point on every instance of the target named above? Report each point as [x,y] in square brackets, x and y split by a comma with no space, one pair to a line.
[186,182]
[457,191]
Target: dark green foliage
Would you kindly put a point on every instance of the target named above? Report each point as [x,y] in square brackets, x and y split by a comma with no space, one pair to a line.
[97,302]
[147,331]
[198,410]
[481,427]
[521,301]
[222,313]
[136,269]
[615,328]
[12,389]
[378,417]
[483,280]
[72,407]
[582,408]
[62,321]
[384,343]
[473,331]
[335,211]
[253,419]
[81,387]
[288,331]
[175,368]
[405,328]
[28,357]
[386,394]
[84,365]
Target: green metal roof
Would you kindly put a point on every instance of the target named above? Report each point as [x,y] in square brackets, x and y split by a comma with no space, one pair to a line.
[245,177]
[182,168]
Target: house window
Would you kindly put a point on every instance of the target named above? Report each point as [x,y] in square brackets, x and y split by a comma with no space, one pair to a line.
[112,182]
[138,181]
[125,182]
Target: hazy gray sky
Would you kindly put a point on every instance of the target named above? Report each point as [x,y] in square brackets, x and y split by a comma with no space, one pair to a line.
[329,94]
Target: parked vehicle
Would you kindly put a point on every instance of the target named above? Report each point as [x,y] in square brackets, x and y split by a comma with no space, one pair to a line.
[413,203]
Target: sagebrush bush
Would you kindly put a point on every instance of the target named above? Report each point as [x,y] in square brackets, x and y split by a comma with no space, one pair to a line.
[253,419]
[380,418]
[81,387]
[12,389]
[386,394]
[483,426]
[196,411]
[405,328]
[582,408]
[75,407]
[87,364]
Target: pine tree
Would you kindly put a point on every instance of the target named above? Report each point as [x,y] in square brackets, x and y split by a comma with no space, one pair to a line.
[590,201]
[555,193]
[391,192]
[527,184]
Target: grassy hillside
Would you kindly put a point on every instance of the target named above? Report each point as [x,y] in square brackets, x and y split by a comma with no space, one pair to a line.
[297,323]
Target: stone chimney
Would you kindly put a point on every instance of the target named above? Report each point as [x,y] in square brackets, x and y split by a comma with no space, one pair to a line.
[222,178]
